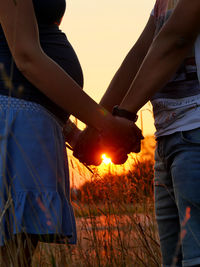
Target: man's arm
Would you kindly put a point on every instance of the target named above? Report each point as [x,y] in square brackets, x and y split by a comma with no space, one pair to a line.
[87,148]
[166,53]
[129,67]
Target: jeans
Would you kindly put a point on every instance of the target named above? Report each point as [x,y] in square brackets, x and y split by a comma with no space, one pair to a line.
[177,197]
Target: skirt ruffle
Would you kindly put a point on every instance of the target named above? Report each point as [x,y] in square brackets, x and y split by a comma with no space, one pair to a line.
[34,178]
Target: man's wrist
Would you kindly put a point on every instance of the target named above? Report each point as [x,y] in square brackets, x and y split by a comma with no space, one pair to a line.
[117,111]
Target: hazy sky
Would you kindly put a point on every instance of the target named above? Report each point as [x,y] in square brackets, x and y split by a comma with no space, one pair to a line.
[102,33]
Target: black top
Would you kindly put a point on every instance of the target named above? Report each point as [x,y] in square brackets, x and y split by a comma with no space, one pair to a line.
[55,44]
[49,11]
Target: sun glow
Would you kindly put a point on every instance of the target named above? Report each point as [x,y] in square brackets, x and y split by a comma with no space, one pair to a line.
[106,160]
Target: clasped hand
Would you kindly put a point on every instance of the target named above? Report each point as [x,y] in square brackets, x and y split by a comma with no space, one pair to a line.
[116,141]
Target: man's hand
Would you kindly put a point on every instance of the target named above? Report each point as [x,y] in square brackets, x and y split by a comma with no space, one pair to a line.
[124,140]
[91,145]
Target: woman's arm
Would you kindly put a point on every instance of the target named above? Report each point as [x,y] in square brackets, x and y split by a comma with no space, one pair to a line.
[19,23]
[21,31]
[166,53]
[129,67]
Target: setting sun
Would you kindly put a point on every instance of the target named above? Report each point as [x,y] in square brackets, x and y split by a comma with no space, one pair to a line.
[106,160]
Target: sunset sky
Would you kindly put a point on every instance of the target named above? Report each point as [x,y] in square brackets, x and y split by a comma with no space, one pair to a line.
[102,33]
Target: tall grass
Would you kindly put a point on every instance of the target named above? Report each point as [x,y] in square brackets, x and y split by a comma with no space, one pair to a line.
[115,222]
[115,219]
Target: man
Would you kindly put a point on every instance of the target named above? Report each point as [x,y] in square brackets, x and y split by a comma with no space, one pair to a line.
[163,66]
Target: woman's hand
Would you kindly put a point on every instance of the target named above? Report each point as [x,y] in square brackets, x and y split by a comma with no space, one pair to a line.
[71,133]
[88,147]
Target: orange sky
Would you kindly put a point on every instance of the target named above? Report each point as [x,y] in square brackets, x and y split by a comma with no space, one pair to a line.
[102,32]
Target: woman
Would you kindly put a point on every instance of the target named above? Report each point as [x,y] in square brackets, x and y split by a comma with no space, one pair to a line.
[164,67]
[41,81]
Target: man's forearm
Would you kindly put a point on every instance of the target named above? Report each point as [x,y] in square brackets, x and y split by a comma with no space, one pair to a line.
[156,70]
[128,69]
[165,55]
[121,81]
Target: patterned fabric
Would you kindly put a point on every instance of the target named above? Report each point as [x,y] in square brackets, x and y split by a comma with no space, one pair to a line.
[173,102]
[187,71]
[33,173]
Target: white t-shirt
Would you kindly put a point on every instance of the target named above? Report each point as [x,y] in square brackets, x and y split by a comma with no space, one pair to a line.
[197,55]
[176,106]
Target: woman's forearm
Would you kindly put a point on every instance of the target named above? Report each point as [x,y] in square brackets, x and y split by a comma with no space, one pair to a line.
[53,81]
[22,35]
[21,32]
[56,84]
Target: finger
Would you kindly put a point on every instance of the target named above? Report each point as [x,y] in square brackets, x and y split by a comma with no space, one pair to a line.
[87,147]
[88,154]
[119,157]
[120,160]
[89,157]
[136,148]
[89,160]
[93,160]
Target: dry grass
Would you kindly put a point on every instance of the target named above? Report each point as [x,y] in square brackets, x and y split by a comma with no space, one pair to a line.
[115,218]
[115,222]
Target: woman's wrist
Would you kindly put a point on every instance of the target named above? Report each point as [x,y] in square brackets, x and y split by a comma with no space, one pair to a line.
[103,120]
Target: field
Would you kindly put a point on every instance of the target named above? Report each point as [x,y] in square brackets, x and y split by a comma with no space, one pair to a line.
[115,218]
[114,214]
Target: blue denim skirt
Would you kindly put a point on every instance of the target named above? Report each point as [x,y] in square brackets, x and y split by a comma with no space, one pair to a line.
[34,177]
